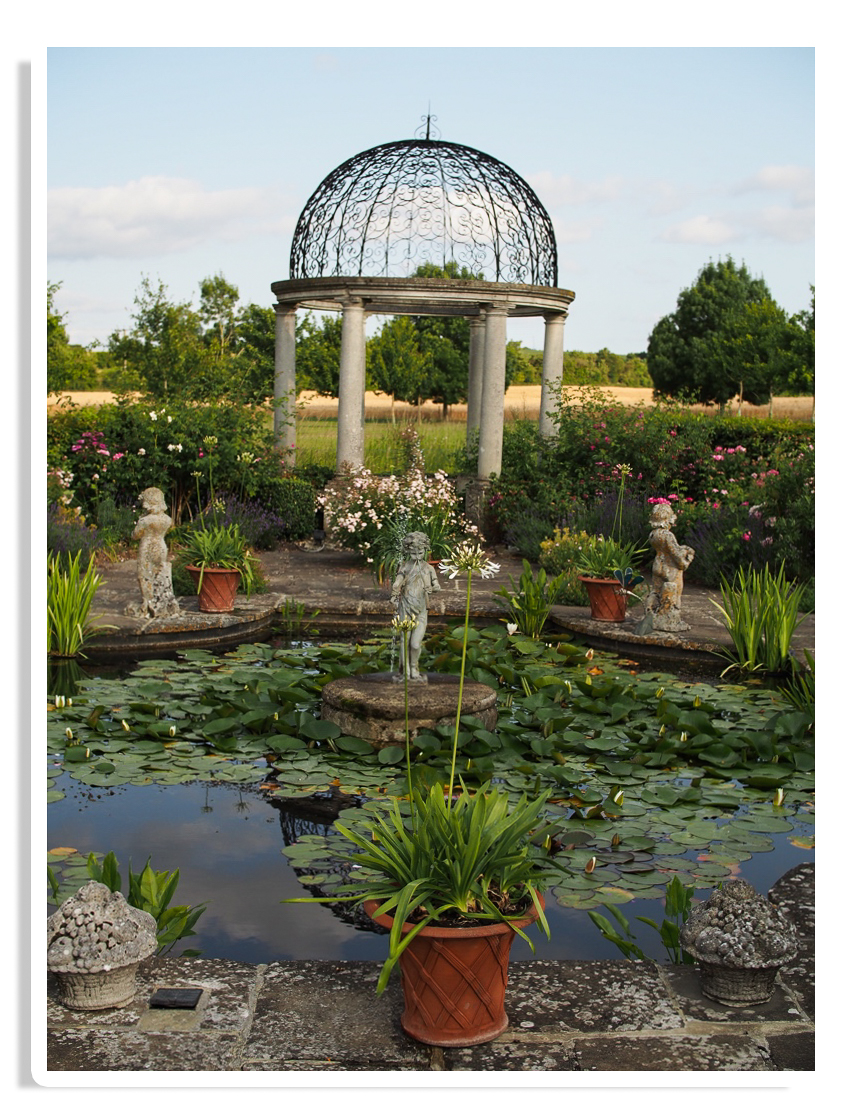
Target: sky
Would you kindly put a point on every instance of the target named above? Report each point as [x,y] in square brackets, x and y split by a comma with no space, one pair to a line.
[177,164]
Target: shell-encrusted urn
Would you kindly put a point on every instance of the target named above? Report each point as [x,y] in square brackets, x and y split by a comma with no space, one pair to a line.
[96,941]
[739,941]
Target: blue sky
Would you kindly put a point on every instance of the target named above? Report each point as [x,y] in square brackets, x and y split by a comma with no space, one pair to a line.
[180,163]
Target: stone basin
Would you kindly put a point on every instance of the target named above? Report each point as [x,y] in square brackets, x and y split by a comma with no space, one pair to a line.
[372,706]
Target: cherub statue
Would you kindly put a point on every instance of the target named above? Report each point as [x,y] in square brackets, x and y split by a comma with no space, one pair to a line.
[661,608]
[415,581]
[155,576]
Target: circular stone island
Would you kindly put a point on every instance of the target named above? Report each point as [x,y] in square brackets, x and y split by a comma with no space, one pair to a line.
[372,706]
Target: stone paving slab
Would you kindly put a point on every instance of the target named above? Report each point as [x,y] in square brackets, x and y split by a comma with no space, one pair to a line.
[326,1016]
[316,1013]
[340,586]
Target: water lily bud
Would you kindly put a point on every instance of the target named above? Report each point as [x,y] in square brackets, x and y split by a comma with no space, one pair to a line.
[59,700]
[659,692]
[618,798]
[697,700]
[275,717]
[683,736]
[591,865]
[778,798]
[69,733]
[125,724]
[172,731]
[588,655]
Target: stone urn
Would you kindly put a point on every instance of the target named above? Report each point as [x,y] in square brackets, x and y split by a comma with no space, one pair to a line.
[96,941]
[739,941]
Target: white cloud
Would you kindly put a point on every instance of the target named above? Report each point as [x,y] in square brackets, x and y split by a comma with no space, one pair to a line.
[566,190]
[156,215]
[700,230]
[789,178]
[574,232]
[785,223]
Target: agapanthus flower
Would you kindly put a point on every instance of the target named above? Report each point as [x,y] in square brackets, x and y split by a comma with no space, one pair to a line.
[469,558]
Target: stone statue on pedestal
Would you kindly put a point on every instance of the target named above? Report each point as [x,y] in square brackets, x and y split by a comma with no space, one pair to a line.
[414,583]
[662,606]
[155,576]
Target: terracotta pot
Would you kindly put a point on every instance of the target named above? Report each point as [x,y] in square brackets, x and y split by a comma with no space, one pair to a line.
[608,600]
[218,588]
[454,981]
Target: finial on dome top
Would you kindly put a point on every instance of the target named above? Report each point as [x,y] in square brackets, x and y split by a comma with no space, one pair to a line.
[426,120]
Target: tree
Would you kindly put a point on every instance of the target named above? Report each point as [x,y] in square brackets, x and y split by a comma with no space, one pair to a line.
[165,346]
[69,366]
[445,340]
[689,354]
[754,340]
[519,368]
[318,354]
[218,312]
[255,352]
[799,345]
[397,364]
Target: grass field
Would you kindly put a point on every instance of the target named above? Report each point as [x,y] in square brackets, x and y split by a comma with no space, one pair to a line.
[441,441]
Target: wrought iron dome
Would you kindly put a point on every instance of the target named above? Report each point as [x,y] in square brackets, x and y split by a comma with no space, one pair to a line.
[390,209]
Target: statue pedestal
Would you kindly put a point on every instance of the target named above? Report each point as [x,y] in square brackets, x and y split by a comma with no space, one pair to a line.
[372,706]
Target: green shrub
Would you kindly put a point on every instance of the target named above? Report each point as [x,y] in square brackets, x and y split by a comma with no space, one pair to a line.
[294,500]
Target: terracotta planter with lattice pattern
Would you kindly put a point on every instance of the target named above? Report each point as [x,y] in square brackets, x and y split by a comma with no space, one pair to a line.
[454,981]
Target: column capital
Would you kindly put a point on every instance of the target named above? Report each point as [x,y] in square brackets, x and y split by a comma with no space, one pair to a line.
[555,316]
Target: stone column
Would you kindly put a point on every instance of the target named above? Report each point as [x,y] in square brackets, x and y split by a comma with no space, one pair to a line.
[350,449]
[284,395]
[474,382]
[493,394]
[552,373]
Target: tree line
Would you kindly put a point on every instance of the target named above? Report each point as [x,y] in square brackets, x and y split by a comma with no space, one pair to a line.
[726,337]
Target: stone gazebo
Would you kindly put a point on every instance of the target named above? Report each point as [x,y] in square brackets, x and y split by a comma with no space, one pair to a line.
[370,224]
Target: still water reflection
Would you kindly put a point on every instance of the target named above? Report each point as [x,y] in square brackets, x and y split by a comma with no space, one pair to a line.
[227,842]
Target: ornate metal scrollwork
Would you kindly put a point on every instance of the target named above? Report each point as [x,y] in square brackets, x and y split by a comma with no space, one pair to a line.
[386,211]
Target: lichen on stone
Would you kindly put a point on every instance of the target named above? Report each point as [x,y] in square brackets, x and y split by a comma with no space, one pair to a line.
[736,927]
[97,930]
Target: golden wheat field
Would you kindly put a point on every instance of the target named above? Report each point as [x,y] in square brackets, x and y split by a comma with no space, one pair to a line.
[522,401]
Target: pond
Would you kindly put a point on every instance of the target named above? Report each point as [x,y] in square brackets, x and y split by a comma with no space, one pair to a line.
[226,792]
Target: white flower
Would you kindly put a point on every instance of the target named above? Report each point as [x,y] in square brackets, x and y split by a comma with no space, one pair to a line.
[511,628]
[469,558]
[141,452]
[153,416]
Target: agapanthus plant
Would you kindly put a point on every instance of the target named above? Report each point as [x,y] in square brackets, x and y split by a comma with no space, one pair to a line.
[452,858]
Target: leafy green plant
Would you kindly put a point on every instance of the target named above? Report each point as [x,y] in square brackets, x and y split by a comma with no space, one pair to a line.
[601,557]
[294,619]
[469,856]
[760,611]
[218,546]
[677,906]
[799,688]
[70,599]
[529,601]
[472,858]
[150,891]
